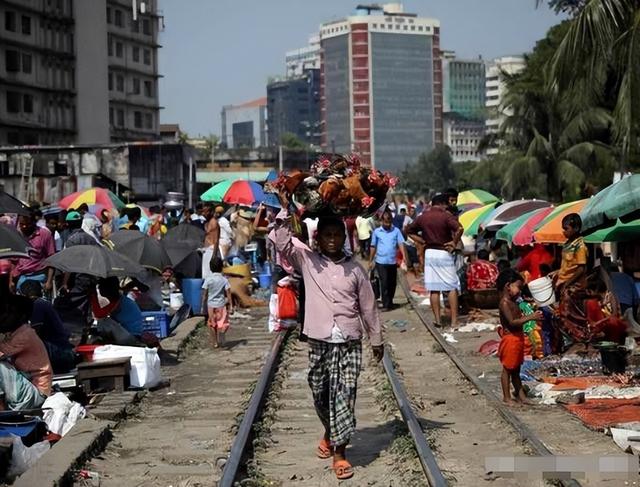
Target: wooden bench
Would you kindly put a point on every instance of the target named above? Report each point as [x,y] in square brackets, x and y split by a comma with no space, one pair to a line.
[106,374]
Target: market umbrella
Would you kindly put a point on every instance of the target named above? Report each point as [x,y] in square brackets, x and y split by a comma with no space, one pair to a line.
[12,243]
[94,198]
[141,248]
[478,197]
[10,204]
[185,231]
[549,230]
[470,220]
[520,230]
[94,260]
[619,200]
[181,244]
[620,232]
[509,211]
[244,193]
[217,191]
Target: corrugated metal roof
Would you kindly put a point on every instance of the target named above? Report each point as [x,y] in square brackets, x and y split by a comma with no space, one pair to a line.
[216,177]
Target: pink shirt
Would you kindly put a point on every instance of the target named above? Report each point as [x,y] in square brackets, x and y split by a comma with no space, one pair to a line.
[336,292]
[42,246]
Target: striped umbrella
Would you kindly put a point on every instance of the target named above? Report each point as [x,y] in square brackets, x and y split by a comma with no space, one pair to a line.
[94,198]
[471,220]
[549,230]
[507,212]
[477,197]
[620,232]
[520,230]
[239,192]
[217,191]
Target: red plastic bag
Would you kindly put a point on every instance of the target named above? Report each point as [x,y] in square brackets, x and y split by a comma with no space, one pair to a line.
[287,303]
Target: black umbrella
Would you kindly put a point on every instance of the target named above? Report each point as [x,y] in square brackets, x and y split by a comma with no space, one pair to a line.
[95,261]
[185,232]
[12,244]
[141,248]
[9,204]
[181,243]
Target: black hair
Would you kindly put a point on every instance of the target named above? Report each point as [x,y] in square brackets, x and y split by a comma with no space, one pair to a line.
[14,313]
[386,213]
[31,288]
[52,216]
[74,224]
[83,207]
[215,264]
[545,269]
[37,213]
[134,213]
[134,227]
[109,287]
[329,221]
[572,220]
[451,192]
[440,199]
[503,264]
[507,277]
[483,254]
[199,206]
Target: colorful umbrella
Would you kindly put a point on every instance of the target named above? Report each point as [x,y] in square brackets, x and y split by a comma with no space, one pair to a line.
[549,230]
[509,211]
[217,191]
[620,232]
[471,220]
[620,200]
[94,197]
[520,230]
[475,197]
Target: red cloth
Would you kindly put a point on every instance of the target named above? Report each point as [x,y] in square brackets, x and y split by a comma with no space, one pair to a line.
[437,225]
[287,303]
[481,274]
[218,319]
[531,262]
[511,350]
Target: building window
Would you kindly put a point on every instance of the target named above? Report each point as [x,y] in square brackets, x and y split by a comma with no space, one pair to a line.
[146,27]
[13,102]
[119,49]
[26,63]
[135,26]
[108,15]
[28,104]
[110,81]
[10,21]
[26,25]
[120,83]
[148,121]
[120,118]
[136,86]
[12,61]
[111,116]
[135,54]
[137,119]
[147,57]
[118,18]
[148,89]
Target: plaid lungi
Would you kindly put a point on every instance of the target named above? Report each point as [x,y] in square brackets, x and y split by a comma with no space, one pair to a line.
[333,377]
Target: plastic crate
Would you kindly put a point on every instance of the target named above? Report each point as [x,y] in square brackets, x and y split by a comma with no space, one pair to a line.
[156,322]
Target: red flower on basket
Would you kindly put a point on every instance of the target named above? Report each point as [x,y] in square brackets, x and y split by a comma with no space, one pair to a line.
[367,201]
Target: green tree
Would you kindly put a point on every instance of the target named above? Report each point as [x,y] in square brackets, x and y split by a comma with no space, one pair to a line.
[431,173]
[292,141]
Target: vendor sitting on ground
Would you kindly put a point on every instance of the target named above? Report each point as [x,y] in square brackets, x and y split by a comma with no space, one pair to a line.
[119,317]
[25,370]
[47,323]
[481,274]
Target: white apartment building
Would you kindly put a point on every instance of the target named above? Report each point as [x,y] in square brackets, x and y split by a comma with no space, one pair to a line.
[495,89]
[298,61]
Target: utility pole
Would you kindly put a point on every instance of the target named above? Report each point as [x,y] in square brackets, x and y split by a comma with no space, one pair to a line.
[280,159]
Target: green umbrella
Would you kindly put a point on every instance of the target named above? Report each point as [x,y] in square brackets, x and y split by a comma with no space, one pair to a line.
[620,232]
[217,191]
[620,200]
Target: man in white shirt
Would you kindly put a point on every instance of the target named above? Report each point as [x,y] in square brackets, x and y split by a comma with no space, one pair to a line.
[226,232]
[364,228]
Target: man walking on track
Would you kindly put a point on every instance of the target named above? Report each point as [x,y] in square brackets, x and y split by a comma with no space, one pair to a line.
[339,302]
[385,243]
[440,232]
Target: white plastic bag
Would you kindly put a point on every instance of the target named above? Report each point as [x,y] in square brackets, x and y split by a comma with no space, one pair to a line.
[145,363]
[23,458]
[273,312]
[61,414]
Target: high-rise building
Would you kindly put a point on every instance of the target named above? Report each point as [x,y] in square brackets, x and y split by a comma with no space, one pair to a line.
[464,106]
[298,61]
[78,71]
[293,106]
[381,85]
[495,90]
[245,125]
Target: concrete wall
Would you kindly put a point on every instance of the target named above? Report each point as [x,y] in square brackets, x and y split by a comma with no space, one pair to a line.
[92,69]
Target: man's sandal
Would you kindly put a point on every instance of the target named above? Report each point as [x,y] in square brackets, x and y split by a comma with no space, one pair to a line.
[324,449]
[343,469]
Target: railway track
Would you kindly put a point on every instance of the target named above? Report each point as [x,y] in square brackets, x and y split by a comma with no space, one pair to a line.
[293,429]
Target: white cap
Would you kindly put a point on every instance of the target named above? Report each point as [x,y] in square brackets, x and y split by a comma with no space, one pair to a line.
[402,207]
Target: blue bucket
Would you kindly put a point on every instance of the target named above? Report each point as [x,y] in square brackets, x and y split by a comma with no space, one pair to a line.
[264,280]
[192,293]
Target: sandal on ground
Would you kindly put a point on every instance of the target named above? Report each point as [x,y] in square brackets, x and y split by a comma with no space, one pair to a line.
[324,449]
[343,469]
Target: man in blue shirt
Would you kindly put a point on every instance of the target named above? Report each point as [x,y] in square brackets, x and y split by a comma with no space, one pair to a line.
[385,242]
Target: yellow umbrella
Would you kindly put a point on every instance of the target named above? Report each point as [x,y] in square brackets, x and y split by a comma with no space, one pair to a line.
[471,220]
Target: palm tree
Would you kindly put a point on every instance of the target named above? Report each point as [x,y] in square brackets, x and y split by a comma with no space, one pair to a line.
[597,61]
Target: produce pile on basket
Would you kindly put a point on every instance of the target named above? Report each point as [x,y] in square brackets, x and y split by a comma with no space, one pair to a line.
[337,186]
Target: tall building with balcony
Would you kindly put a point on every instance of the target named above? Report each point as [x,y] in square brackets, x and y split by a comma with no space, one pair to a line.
[82,71]
[298,61]
[381,85]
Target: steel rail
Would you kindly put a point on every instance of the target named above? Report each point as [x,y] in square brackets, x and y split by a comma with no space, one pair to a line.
[254,407]
[425,454]
[520,427]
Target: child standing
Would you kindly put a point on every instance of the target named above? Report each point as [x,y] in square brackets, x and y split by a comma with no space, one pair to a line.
[511,349]
[217,294]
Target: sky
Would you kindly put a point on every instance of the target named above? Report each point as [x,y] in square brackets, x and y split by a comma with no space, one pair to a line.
[221,52]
